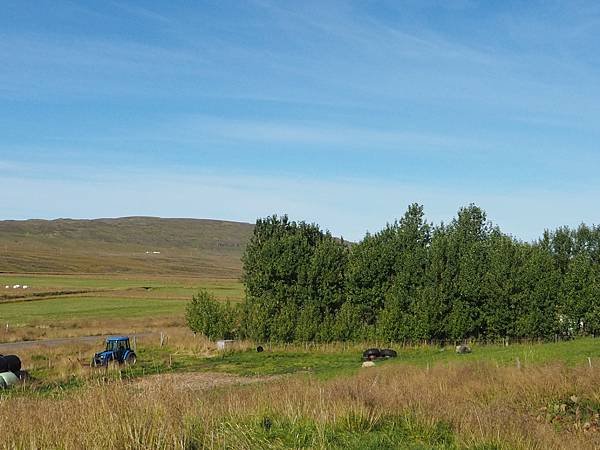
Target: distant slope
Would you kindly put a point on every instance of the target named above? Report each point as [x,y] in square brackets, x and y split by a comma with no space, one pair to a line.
[197,247]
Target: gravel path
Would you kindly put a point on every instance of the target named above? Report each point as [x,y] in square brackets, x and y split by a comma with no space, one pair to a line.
[21,345]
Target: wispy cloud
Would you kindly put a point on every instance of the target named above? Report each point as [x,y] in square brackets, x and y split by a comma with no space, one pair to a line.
[6,166]
[347,207]
[361,105]
[202,128]
[342,55]
[144,13]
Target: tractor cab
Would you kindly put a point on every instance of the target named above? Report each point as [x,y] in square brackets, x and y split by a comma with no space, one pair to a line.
[117,344]
[118,350]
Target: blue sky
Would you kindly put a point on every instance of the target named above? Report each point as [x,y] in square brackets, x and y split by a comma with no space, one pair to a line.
[341,113]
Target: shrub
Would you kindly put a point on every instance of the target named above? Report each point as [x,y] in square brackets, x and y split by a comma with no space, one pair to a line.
[205,315]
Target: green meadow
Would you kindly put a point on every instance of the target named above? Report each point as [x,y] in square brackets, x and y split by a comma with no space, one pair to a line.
[71,305]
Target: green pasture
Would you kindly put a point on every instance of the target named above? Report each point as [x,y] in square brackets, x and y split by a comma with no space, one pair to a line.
[331,360]
[230,289]
[57,282]
[324,361]
[70,308]
[222,290]
[114,297]
[573,352]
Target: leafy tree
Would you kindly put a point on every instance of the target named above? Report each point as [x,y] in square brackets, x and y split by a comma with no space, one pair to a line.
[468,236]
[309,323]
[413,281]
[326,331]
[394,320]
[562,247]
[326,273]
[591,316]
[397,319]
[501,287]
[587,241]
[349,324]
[211,318]
[288,266]
[430,315]
[579,289]
[388,267]
[283,328]
[537,314]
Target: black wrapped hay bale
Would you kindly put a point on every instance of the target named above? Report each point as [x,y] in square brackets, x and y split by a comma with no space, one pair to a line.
[388,353]
[371,353]
[10,363]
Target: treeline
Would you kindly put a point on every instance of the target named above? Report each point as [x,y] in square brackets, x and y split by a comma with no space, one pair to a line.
[413,281]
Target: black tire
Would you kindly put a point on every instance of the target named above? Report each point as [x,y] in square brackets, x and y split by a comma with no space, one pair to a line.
[371,353]
[260,349]
[388,353]
[98,363]
[131,359]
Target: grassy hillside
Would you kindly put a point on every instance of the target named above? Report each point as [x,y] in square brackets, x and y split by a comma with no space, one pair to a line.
[209,248]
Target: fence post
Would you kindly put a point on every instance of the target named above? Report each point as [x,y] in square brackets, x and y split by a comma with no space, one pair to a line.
[590,362]
[518,363]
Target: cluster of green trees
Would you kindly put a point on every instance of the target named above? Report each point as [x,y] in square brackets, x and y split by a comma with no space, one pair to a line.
[415,281]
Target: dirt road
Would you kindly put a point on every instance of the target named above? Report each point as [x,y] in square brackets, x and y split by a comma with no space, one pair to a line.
[21,345]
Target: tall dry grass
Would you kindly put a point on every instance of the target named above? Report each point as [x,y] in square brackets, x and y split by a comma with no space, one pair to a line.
[70,361]
[93,327]
[546,407]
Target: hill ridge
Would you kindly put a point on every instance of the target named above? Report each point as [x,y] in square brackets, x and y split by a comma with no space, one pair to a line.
[185,246]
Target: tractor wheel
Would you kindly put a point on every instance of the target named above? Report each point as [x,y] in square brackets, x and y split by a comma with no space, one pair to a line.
[131,359]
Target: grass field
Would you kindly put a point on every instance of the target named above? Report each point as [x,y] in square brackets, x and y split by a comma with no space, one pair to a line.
[50,283]
[75,305]
[82,308]
[185,352]
[187,395]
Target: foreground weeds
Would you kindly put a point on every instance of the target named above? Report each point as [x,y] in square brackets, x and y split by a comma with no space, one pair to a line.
[446,406]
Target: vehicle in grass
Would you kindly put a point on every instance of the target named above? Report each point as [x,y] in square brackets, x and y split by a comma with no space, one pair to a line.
[118,350]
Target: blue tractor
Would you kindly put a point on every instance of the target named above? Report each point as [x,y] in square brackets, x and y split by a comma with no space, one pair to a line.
[117,350]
